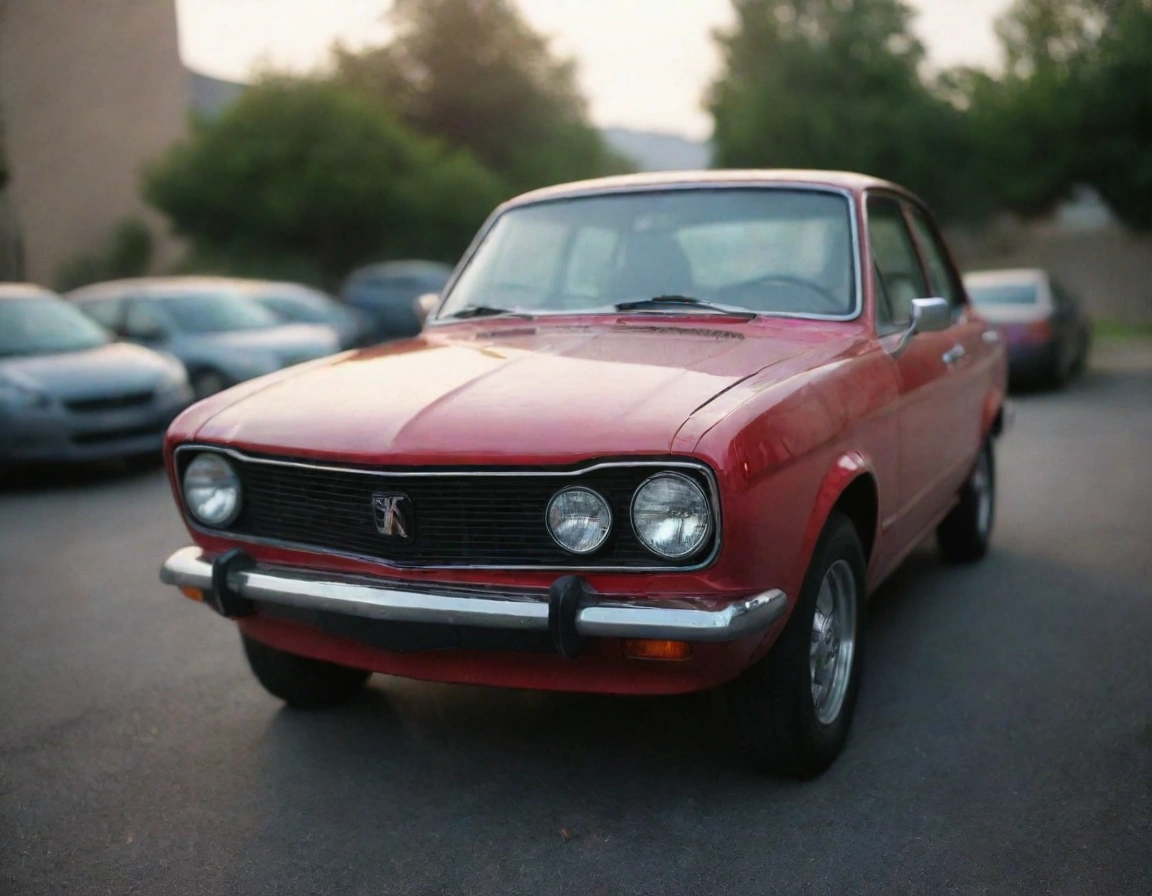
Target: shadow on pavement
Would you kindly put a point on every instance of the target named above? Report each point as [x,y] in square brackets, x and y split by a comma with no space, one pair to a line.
[29,478]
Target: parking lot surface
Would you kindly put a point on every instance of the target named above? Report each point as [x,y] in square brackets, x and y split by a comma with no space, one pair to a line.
[1002,744]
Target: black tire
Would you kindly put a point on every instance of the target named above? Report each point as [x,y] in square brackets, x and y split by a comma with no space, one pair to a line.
[772,706]
[964,535]
[300,681]
[207,382]
[1083,350]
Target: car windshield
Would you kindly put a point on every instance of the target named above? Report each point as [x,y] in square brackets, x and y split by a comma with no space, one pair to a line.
[783,251]
[1004,294]
[44,325]
[301,307]
[217,312]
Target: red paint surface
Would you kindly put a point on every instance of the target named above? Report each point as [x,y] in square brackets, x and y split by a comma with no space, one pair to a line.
[786,412]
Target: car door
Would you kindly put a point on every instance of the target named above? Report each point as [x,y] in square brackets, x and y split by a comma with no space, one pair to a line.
[968,356]
[146,323]
[926,406]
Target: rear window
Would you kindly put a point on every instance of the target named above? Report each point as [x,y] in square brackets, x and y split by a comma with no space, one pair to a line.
[1016,294]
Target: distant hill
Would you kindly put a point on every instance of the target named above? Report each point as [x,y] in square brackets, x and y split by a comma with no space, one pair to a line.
[659,152]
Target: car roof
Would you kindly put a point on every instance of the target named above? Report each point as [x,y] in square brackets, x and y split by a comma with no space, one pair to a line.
[1006,277]
[136,285]
[178,285]
[412,267]
[25,291]
[655,180]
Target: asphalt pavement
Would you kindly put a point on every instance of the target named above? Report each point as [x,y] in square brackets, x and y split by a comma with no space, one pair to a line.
[1002,744]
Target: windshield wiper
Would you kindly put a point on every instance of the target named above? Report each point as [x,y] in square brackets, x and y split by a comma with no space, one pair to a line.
[678,301]
[469,311]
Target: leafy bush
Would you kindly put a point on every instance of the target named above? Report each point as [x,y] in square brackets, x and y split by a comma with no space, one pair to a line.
[305,174]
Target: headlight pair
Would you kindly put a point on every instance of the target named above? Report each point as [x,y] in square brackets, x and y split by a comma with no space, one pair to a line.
[671,517]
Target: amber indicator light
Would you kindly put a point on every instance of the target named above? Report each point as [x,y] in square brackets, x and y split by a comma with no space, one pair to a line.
[645,649]
[192,593]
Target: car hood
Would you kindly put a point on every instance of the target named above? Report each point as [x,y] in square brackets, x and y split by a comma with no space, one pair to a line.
[116,368]
[548,392]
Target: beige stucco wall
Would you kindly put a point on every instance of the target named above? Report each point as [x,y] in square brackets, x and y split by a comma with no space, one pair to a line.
[89,91]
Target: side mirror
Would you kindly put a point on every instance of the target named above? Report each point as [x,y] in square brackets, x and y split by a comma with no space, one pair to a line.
[425,304]
[930,315]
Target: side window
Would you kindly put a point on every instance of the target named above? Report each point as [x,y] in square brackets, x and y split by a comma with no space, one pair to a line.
[899,278]
[945,283]
[143,322]
[106,312]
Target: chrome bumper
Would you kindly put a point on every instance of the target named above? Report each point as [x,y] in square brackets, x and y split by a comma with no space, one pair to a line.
[682,619]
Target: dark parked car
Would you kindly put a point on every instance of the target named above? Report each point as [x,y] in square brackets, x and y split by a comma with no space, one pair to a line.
[298,304]
[222,335]
[68,391]
[394,295]
[1047,332]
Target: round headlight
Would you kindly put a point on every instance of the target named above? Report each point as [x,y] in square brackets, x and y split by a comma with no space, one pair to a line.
[212,490]
[671,515]
[579,520]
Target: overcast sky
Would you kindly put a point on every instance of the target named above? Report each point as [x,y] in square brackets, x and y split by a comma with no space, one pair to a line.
[643,63]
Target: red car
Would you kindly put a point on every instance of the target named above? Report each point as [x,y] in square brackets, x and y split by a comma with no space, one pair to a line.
[663,433]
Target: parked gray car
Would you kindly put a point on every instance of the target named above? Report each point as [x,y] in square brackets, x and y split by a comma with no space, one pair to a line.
[296,303]
[221,334]
[69,392]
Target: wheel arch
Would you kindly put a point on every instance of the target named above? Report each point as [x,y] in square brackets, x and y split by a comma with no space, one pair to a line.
[851,487]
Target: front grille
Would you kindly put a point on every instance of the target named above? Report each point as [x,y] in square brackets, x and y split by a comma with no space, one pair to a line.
[476,519]
[110,402]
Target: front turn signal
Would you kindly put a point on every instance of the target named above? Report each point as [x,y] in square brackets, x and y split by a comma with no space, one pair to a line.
[647,649]
[192,593]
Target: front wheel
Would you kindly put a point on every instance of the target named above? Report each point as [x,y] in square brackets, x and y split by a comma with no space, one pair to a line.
[793,709]
[300,681]
[965,533]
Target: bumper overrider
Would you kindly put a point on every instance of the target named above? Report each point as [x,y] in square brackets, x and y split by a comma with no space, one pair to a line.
[234,585]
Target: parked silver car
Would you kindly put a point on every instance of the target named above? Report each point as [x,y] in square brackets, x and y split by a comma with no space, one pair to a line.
[69,392]
[221,334]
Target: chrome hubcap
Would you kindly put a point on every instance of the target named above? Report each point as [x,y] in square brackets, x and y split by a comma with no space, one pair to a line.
[833,641]
[982,489]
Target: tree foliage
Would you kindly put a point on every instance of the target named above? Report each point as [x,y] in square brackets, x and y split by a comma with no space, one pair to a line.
[842,84]
[834,84]
[475,75]
[303,175]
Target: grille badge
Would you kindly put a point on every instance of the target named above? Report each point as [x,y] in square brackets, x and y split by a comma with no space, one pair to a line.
[392,512]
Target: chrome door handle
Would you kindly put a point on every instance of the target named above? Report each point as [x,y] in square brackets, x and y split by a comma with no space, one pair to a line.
[990,336]
[953,355]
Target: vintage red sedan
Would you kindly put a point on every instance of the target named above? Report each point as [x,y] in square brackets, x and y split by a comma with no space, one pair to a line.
[663,433]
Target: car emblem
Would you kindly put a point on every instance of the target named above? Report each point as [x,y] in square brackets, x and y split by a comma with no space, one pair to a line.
[393,515]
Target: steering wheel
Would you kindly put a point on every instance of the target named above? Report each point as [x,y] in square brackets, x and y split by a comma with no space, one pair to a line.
[833,303]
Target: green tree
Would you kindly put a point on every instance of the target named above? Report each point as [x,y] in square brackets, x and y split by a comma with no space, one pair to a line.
[307,176]
[474,74]
[836,84]
[1115,121]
